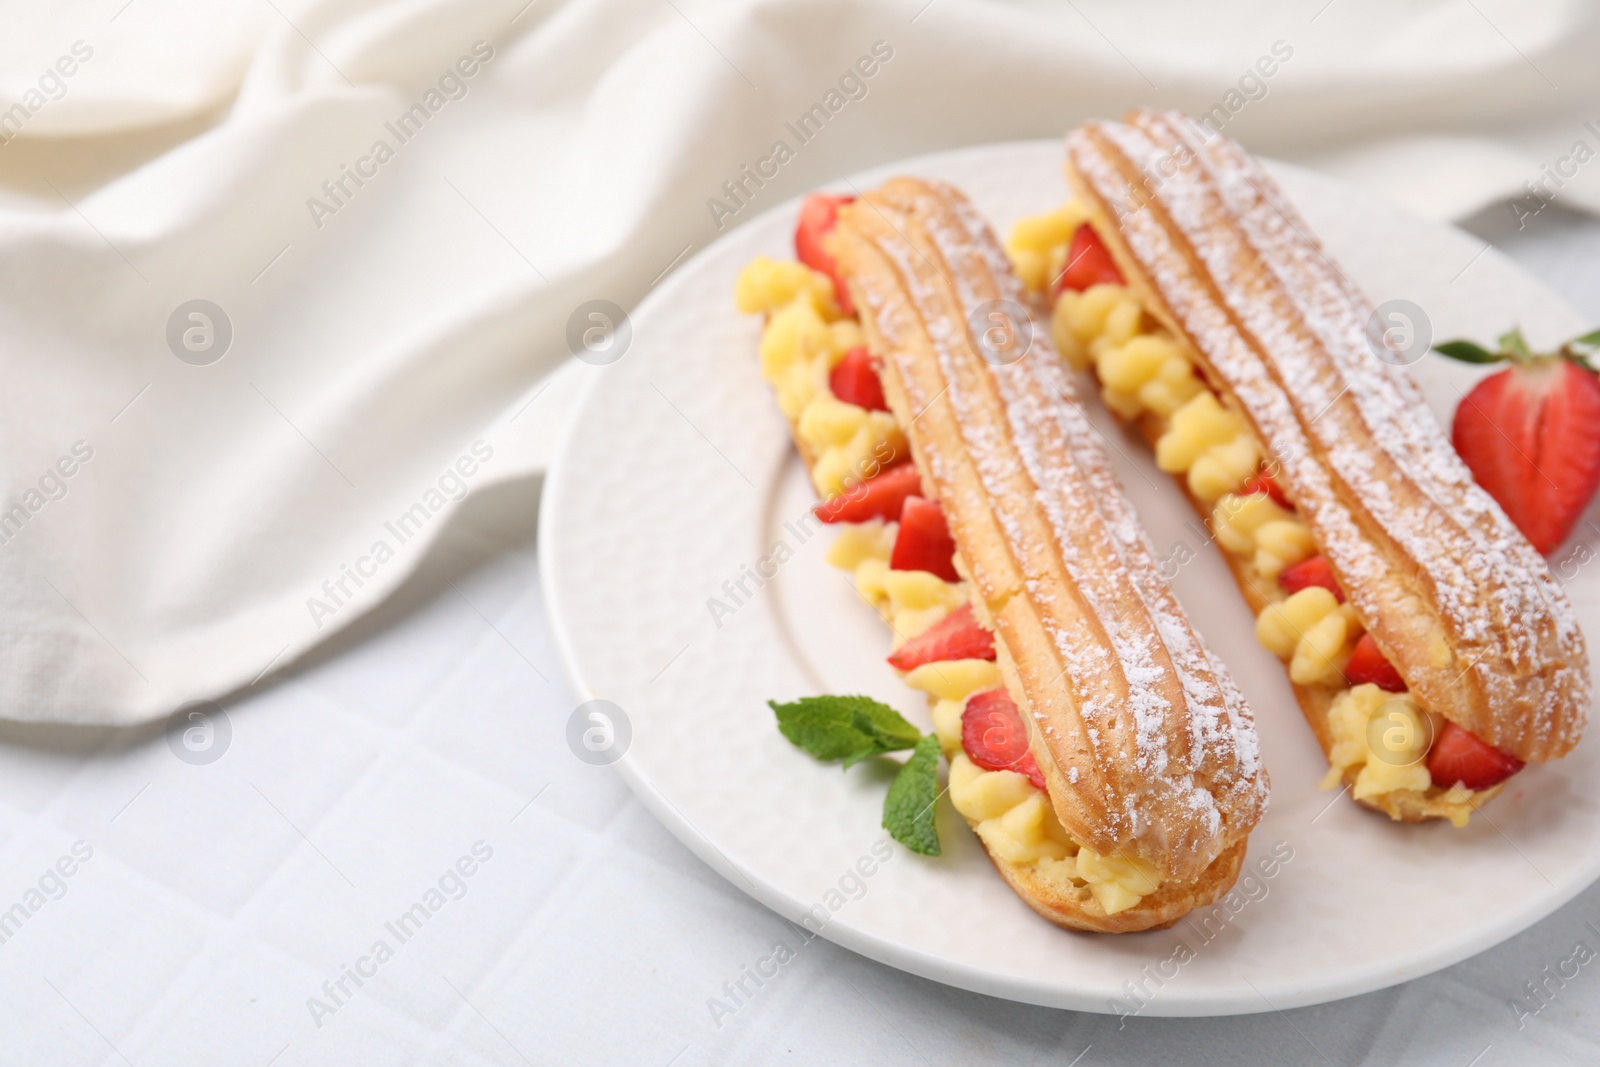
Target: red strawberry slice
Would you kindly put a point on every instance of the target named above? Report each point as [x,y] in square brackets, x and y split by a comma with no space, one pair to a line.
[1367,664]
[1309,572]
[924,542]
[1531,436]
[956,636]
[1088,262]
[818,213]
[883,496]
[855,380]
[1459,756]
[994,736]
[1263,483]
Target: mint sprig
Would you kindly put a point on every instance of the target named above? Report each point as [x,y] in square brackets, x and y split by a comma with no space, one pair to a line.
[856,728]
[908,810]
[848,728]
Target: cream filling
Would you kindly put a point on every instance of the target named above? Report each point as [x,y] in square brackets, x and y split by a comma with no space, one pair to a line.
[803,339]
[909,601]
[1145,372]
[1383,739]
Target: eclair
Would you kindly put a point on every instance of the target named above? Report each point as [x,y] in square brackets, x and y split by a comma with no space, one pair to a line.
[1430,650]
[1104,757]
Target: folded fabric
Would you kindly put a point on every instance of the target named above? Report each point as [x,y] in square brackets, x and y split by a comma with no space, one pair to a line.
[283,281]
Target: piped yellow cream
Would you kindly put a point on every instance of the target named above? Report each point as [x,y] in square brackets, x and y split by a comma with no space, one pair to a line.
[803,339]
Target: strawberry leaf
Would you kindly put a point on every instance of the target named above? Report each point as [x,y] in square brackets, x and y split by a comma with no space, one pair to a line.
[1467,352]
[1582,359]
[1515,344]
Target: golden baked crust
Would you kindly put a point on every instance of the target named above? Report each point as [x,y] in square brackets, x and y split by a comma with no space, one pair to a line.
[1077,909]
[1147,746]
[1452,593]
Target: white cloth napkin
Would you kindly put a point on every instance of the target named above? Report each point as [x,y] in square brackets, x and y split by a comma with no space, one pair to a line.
[395,214]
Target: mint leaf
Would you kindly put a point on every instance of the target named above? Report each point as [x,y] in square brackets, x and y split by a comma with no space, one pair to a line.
[1467,352]
[908,810]
[854,728]
[848,728]
[887,727]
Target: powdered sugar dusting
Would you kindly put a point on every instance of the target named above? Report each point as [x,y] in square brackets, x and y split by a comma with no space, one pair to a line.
[1422,552]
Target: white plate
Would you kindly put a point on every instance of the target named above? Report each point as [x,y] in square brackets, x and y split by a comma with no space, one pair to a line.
[677,475]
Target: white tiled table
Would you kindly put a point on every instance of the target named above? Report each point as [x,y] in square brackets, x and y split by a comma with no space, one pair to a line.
[219,899]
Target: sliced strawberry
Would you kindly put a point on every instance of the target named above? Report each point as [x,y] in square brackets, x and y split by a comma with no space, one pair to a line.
[1531,436]
[1029,766]
[883,496]
[1459,756]
[818,214]
[1263,483]
[924,542]
[956,636]
[1309,572]
[994,736]
[1367,664]
[854,379]
[1088,262]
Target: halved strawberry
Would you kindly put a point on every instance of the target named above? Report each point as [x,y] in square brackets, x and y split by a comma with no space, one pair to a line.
[1367,664]
[1309,572]
[818,213]
[924,542]
[993,734]
[1459,756]
[1088,262]
[883,496]
[854,379]
[956,636]
[1531,436]
[1263,483]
